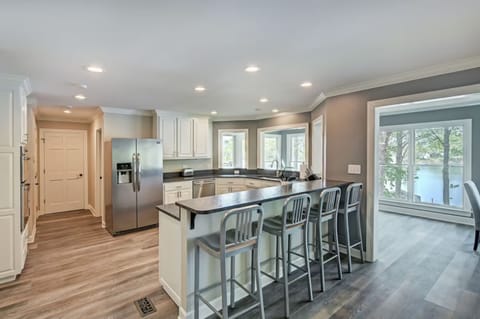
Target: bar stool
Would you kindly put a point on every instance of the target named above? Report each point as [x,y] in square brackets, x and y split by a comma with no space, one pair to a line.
[326,211]
[353,205]
[294,218]
[228,244]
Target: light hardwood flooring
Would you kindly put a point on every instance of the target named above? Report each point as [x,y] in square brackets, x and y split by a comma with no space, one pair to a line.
[426,269]
[77,270]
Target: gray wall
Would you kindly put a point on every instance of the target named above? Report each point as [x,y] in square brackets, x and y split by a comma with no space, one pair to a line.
[252,127]
[471,112]
[345,118]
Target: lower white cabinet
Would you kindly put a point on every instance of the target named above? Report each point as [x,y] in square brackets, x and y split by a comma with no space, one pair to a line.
[177,191]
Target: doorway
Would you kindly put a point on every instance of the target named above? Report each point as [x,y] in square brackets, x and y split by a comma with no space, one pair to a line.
[99,174]
[63,167]
[318,160]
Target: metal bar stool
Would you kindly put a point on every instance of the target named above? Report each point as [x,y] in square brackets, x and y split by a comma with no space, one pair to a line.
[326,211]
[227,244]
[294,218]
[353,205]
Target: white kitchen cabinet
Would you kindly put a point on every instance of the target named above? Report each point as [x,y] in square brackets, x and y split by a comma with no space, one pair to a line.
[177,191]
[167,132]
[13,127]
[201,138]
[229,185]
[185,137]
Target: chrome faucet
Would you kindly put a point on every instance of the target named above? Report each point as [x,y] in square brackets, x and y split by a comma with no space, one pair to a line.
[277,171]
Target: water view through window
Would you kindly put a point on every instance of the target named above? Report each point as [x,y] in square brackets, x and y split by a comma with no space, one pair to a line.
[423,163]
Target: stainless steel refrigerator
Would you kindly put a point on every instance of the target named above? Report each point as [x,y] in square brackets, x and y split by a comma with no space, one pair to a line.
[135,181]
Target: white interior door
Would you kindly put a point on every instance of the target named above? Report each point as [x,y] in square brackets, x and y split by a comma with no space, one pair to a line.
[318,147]
[64,170]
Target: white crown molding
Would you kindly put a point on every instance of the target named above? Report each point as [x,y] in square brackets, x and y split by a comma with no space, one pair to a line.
[257,117]
[62,119]
[318,100]
[18,80]
[125,111]
[434,70]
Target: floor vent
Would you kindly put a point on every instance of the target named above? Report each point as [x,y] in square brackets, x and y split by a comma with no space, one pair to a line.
[145,306]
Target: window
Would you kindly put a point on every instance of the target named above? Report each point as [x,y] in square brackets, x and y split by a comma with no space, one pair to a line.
[425,163]
[232,145]
[295,150]
[283,147]
[272,145]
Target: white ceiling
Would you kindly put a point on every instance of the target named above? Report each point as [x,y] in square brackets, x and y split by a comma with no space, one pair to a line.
[155,52]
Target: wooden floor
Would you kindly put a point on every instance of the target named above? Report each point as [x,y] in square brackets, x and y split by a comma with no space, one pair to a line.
[426,269]
[77,270]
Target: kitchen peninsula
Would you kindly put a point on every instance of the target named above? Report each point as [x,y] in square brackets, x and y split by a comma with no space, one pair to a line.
[182,222]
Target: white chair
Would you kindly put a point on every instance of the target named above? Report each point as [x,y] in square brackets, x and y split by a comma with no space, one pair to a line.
[474,197]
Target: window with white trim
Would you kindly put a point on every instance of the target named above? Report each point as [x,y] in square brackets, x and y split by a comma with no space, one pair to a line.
[232,146]
[425,163]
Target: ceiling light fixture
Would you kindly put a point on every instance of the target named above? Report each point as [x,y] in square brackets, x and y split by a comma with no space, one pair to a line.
[252,69]
[264,100]
[83,86]
[200,89]
[80,97]
[213,112]
[275,111]
[94,69]
[306,84]
[68,109]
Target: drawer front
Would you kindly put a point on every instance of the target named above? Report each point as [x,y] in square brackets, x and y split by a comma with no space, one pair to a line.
[174,186]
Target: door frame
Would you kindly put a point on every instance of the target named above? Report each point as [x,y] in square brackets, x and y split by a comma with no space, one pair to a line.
[316,121]
[99,208]
[396,105]
[42,165]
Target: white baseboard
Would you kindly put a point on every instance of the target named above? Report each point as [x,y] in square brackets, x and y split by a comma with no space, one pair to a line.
[31,237]
[8,279]
[173,295]
[92,210]
[426,214]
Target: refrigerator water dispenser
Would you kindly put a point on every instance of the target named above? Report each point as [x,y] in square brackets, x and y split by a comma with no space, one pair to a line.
[124,173]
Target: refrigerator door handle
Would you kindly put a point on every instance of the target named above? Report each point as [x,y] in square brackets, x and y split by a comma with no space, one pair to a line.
[134,173]
[139,172]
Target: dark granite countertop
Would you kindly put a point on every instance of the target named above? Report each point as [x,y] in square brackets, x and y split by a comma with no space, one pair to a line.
[192,178]
[213,204]
[170,209]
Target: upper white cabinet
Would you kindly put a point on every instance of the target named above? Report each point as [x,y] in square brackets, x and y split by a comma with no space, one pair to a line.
[167,131]
[201,137]
[13,128]
[183,137]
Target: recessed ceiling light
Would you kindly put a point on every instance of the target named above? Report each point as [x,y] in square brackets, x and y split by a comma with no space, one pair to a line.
[275,111]
[94,69]
[252,69]
[264,100]
[200,89]
[68,109]
[306,84]
[83,86]
[80,97]
[213,112]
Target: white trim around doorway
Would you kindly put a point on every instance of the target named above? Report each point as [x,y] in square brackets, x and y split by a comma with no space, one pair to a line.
[434,100]
[42,166]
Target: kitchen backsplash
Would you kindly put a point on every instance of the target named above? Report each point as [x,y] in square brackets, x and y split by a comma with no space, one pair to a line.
[178,165]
